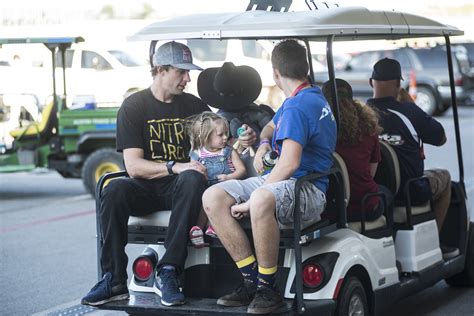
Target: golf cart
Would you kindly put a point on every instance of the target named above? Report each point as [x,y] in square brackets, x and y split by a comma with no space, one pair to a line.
[335,266]
[76,142]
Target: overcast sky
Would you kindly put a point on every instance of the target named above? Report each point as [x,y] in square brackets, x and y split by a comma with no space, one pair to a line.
[187,6]
[167,8]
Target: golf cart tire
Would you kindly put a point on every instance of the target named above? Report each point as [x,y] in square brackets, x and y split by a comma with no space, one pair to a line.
[466,277]
[352,296]
[98,163]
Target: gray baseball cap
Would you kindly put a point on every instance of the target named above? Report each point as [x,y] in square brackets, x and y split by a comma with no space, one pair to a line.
[175,54]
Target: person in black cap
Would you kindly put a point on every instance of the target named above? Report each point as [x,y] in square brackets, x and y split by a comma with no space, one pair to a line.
[406,127]
[151,134]
[232,90]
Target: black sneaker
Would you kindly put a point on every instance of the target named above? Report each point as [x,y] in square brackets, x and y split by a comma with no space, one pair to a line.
[103,292]
[167,287]
[449,252]
[241,296]
[266,301]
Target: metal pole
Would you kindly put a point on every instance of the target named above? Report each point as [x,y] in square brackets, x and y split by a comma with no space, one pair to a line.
[310,61]
[332,77]
[455,112]
[63,56]
[53,63]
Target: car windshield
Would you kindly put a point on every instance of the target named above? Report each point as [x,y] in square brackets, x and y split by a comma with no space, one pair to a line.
[431,58]
[127,59]
[470,51]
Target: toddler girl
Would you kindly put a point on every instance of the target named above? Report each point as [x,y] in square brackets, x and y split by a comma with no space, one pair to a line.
[209,133]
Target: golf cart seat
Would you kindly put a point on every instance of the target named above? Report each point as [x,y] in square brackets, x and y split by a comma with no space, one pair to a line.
[43,129]
[152,228]
[388,174]
[374,229]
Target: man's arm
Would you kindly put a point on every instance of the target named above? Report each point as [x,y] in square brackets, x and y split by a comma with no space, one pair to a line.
[140,168]
[265,146]
[443,140]
[288,162]
[429,129]
[248,138]
[267,131]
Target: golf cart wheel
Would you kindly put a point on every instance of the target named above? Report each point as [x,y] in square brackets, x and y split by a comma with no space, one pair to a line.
[98,163]
[426,100]
[466,276]
[352,299]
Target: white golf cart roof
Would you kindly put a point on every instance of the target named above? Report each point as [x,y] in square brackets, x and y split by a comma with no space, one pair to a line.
[346,23]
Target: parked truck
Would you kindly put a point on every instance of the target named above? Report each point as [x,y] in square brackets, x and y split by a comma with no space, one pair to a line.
[77,142]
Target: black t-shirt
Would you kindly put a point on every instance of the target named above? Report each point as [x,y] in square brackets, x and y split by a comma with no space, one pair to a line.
[406,127]
[157,127]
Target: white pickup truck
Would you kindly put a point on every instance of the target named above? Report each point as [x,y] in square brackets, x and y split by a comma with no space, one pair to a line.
[103,76]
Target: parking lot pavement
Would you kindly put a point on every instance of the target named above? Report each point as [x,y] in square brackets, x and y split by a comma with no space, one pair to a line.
[75,308]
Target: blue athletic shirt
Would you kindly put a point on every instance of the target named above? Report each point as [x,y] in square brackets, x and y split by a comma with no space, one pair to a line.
[307,119]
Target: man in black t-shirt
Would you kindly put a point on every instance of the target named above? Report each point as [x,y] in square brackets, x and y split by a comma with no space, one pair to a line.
[151,134]
[406,127]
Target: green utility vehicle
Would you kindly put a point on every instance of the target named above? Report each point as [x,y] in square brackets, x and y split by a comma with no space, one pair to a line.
[77,143]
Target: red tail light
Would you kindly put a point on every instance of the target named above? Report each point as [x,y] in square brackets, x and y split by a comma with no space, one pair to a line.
[313,275]
[458,81]
[143,268]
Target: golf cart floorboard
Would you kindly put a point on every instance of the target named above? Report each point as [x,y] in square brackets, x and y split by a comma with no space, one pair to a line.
[149,303]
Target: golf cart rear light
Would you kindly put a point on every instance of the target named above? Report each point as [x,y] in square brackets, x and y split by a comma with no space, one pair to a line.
[143,268]
[313,275]
[458,82]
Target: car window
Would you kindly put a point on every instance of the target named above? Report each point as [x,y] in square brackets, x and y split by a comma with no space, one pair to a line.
[364,61]
[431,58]
[92,60]
[68,56]
[402,57]
[127,59]
[252,49]
[434,58]
[206,50]
[470,51]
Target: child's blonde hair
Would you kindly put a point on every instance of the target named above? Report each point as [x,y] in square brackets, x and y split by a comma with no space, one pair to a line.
[200,128]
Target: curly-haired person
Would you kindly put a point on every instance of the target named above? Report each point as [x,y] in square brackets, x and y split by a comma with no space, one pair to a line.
[358,145]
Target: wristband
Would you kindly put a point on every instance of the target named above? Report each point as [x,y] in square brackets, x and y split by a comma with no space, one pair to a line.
[264,141]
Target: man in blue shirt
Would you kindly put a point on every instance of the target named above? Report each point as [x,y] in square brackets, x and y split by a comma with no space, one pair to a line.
[303,133]
[406,127]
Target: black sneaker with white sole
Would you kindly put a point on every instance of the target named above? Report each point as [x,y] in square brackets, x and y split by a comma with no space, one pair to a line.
[167,287]
[103,292]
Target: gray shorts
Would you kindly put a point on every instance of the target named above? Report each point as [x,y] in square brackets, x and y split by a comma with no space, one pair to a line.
[312,200]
